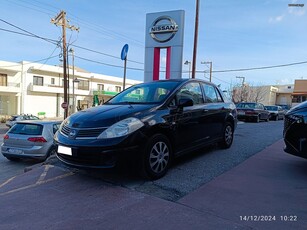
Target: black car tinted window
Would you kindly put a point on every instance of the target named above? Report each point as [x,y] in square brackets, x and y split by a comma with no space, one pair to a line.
[145,93]
[210,93]
[247,105]
[192,91]
[219,97]
[27,129]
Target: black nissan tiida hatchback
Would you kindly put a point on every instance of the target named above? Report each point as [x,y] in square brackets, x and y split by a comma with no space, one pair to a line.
[151,123]
[295,130]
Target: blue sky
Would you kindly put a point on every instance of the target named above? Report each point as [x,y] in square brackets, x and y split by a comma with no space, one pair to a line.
[233,34]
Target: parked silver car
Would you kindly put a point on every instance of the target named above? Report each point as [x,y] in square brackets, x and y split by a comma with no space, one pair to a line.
[23,117]
[30,139]
[276,112]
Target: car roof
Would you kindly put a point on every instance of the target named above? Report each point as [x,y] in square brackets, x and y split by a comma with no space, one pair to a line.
[180,80]
[247,103]
[42,122]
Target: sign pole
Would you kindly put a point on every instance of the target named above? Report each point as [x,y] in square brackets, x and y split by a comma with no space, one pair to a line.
[125,67]
[124,58]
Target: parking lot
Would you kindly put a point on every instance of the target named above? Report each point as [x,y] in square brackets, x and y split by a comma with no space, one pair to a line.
[213,188]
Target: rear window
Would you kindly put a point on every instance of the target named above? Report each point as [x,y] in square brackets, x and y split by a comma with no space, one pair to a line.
[27,129]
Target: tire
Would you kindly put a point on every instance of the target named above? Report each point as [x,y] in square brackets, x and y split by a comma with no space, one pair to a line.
[156,158]
[268,119]
[52,151]
[258,119]
[227,140]
[13,158]
[276,118]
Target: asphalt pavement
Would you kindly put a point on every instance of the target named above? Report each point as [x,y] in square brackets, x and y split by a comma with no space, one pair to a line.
[267,191]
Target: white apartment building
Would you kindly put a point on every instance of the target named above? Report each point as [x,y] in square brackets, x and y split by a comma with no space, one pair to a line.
[36,88]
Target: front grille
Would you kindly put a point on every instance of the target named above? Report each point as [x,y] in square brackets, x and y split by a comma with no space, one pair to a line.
[82,133]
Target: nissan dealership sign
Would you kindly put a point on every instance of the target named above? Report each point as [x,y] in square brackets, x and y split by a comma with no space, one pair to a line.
[163,29]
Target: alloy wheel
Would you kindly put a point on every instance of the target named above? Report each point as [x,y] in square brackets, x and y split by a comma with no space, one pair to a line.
[228,135]
[159,157]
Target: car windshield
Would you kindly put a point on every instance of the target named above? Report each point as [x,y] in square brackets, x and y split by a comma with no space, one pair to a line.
[247,105]
[153,92]
[26,129]
[272,108]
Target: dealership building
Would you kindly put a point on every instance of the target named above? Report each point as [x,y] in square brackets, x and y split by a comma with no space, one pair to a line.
[36,88]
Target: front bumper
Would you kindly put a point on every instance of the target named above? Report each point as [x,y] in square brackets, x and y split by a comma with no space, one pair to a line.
[95,157]
[247,116]
[98,153]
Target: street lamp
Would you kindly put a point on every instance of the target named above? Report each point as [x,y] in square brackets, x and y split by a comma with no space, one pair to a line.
[188,63]
[243,80]
[208,62]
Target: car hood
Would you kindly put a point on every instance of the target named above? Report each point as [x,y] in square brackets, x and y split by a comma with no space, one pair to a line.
[106,115]
[302,107]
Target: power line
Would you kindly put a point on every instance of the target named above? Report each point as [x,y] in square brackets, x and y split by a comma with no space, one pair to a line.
[260,68]
[106,64]
[30,63]
[34,35]
[90,25]
[108,55]
[29,35]
[55,42]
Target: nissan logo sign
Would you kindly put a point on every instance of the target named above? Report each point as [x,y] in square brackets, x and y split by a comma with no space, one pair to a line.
[163,29]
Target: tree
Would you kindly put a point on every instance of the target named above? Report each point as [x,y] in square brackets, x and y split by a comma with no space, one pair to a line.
[248,93]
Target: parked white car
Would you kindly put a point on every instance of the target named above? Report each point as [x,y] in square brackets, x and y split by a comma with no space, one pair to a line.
[22,117]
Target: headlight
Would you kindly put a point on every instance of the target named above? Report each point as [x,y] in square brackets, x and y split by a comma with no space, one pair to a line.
[122,128]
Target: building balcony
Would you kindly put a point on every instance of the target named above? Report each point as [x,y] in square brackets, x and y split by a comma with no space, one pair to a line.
[10,88]
[56,89]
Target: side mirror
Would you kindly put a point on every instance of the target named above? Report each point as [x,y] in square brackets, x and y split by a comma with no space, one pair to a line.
[184,102]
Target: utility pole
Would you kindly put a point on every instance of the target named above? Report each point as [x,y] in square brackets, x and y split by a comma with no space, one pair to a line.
[195,40]
[60,20]
[208,62]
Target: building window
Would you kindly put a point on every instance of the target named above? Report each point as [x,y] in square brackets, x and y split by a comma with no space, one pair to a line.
[118,88]
[52,81]
[84,85]
[3,79]
[100,87]
[38,80]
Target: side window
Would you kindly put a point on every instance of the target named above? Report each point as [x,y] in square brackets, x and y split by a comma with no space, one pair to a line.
[210,94]
[219,97]
[192,91]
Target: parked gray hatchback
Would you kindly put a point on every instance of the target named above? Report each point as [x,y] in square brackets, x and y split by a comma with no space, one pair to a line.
[30,139]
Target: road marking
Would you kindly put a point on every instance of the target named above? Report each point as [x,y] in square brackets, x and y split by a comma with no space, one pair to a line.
[43,175]
[8,181]
[40,181]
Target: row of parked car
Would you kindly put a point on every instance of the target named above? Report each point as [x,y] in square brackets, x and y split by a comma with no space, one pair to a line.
[252,111]
[151,124]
